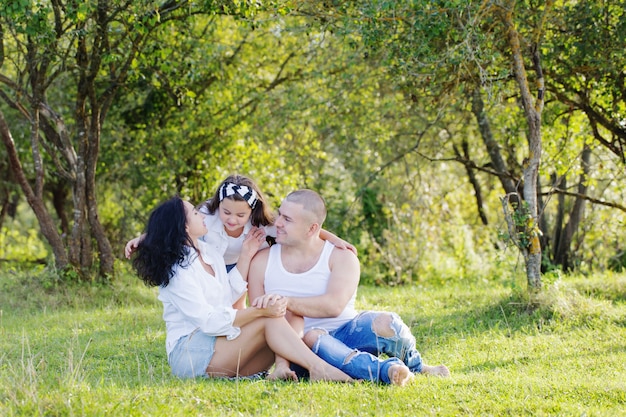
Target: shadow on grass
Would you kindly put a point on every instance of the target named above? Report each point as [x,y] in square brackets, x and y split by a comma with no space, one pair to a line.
[558,307]
[588,356]
[612,289]
[30,292]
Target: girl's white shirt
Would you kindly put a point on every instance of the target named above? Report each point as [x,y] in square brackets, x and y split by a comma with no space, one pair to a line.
[196,300]
[222,244]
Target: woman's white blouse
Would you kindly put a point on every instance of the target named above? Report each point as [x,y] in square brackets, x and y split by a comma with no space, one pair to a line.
[195,299]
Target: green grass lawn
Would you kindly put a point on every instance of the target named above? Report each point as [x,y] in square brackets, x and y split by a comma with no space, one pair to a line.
[96,350]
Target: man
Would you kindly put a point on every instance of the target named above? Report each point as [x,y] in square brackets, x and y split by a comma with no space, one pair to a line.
[320,283]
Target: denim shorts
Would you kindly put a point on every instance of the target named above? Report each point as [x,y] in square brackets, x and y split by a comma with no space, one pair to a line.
[191,355]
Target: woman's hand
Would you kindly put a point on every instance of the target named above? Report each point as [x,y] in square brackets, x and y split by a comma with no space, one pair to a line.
[274,305]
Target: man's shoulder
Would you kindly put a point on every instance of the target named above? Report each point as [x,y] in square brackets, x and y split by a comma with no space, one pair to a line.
[342,257]
[342,253]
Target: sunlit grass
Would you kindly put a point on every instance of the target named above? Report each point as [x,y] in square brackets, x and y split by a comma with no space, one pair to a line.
[95,350]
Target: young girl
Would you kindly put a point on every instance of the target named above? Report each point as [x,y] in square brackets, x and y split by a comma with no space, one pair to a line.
[238,209]
[206,336]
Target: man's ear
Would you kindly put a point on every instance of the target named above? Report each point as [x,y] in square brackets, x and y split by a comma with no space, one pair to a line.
[314,228]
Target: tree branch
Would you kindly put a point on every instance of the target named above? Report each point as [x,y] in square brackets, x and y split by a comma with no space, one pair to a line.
[585,197]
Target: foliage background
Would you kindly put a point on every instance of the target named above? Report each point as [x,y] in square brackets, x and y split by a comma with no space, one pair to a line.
[338,98]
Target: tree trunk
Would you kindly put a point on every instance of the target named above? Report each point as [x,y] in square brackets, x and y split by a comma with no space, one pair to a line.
[563,250]
[560,215]
[59,193]
[493,148]
[471,175]
[78,200]
[4,209]
[35,201]
[532,110]
[104,246]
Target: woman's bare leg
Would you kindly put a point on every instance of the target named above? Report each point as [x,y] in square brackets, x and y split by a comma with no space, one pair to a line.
[282,367]
[251,352]
[245,355]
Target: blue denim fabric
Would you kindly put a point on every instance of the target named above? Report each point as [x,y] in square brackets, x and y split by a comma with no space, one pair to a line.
[230,266]
[358,335]
[191,355]
[361,365]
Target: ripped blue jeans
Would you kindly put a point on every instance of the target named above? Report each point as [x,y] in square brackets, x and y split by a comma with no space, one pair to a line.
[355,347]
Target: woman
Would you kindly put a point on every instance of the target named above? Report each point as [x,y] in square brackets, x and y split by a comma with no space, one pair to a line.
[206,336]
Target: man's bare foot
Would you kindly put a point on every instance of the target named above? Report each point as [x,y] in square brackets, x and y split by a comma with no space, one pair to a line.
[399,375]
[283,373]
[440,370]
[328,372]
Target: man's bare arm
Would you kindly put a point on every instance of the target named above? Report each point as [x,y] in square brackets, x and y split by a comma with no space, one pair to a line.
[343,282]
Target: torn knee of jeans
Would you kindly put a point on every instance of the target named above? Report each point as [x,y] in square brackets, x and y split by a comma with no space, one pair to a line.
[350,356]
[312,338]
[317,331]
[382,325]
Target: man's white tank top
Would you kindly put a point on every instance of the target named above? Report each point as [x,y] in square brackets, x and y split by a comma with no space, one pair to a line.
[307,284]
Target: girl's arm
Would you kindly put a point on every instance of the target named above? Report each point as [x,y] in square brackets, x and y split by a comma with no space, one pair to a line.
[337,241]
[132,244]
[251,244]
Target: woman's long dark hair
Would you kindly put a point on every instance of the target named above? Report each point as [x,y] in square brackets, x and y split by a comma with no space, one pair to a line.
[165,245]
[261,214]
